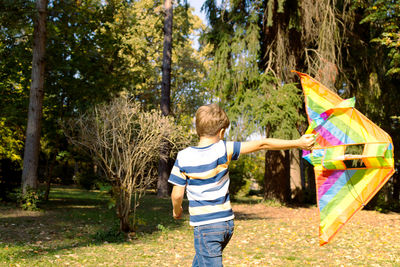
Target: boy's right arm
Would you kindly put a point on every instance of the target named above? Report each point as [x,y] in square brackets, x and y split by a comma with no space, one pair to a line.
[304,142]
[177,198]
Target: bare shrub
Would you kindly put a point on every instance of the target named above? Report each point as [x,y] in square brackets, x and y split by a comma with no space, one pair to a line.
[125,141]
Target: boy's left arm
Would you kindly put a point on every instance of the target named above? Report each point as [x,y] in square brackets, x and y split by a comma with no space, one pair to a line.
[177,198]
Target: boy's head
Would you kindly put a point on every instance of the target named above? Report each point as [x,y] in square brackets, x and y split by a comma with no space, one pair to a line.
[210,119]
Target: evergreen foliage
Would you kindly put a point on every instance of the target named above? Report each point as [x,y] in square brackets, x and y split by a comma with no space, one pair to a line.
[348,45]
[255,101]
[386,15]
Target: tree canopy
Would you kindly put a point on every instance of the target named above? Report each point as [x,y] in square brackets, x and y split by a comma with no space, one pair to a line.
[97,50]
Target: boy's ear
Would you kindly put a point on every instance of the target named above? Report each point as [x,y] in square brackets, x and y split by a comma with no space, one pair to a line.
[221,133]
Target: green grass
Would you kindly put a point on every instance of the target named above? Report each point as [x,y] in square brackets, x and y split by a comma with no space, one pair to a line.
[76,228]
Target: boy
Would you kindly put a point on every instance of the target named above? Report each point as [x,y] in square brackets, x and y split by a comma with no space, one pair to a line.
[203,172]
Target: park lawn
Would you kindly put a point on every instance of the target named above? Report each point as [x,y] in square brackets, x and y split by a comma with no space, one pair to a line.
[77,229]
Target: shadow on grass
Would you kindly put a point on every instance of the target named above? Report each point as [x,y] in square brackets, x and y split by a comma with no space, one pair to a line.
[77,218]
[247,200]
[241,216]
[255,207]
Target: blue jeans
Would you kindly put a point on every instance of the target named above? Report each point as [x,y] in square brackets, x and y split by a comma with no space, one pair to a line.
[209,242]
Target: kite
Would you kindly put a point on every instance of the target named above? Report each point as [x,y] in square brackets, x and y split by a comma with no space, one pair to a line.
[352,156]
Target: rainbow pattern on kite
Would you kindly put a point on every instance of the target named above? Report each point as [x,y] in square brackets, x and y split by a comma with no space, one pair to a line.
[352,157]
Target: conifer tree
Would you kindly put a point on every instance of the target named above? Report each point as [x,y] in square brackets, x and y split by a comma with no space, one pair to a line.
[256,45]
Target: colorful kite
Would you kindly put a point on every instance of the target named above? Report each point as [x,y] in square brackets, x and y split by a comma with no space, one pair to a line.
[352,157]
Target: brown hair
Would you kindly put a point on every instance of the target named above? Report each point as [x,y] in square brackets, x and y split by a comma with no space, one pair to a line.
[210,119]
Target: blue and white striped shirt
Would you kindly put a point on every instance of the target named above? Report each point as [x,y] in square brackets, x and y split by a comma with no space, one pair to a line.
[204,172]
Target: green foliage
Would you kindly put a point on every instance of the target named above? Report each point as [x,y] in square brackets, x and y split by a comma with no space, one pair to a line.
[110,234]
[15,67]
[238,179]
[235,66]
[30,200]
[254,100]
[272,110]
[257,103]
[244,172]
[162,228]
[86,179]
[95,49]
[80,69]
[11,144]
[139,27]
[382,201]
[370,62]
[385,16]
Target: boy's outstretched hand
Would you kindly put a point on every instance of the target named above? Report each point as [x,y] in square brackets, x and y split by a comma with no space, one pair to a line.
[307,141]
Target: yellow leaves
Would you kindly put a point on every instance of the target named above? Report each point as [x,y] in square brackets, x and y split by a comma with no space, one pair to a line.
[197,22]
[141,222]
[264,236]
[16,157]
[11,143]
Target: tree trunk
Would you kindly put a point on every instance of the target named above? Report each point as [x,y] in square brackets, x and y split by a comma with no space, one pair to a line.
[49,176]
[32,141]
[163,167]
[396,187]
[296,185]
[124,210]
[311,183]
[164,170]
[277,175]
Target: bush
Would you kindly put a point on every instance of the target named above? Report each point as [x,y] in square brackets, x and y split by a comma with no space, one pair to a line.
[238,178]
[31,200]
[110,234]
[88,180]
[382,203]
[125,140]
[244,172]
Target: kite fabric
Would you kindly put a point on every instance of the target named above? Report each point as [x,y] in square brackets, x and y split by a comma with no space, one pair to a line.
[352,157]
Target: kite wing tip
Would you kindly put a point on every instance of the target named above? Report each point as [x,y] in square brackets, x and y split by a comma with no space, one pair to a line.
[322,242]
[299,73]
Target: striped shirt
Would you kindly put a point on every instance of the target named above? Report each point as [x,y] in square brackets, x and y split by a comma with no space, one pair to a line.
[204,172]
